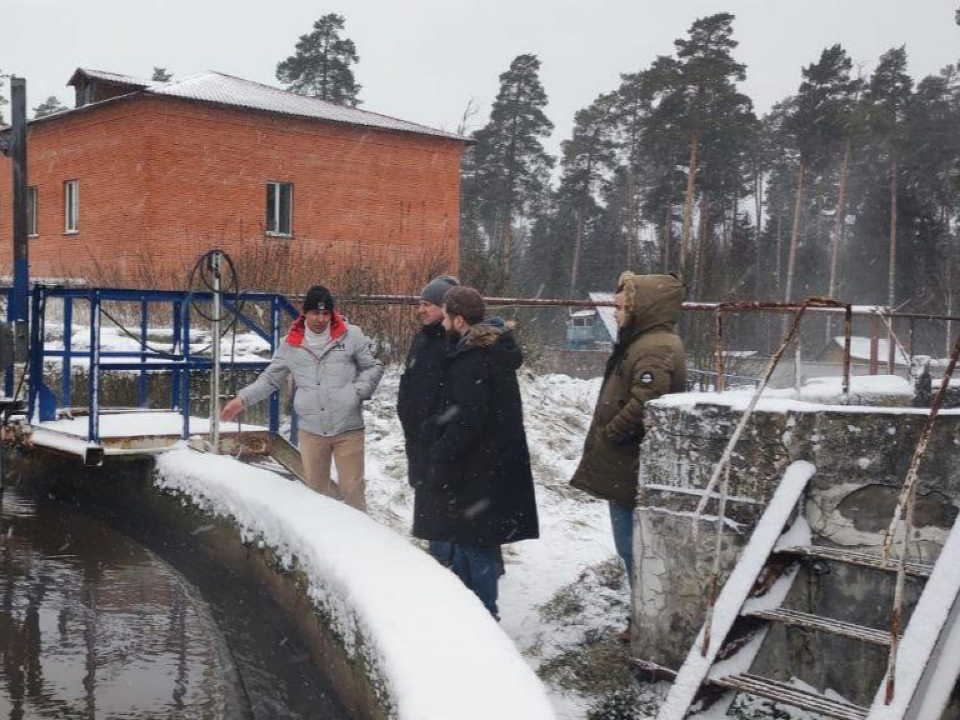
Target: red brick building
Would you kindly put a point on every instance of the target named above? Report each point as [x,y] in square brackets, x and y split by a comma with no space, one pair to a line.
[150,174]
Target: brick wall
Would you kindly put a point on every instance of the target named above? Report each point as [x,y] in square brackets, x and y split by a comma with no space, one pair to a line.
[162,180]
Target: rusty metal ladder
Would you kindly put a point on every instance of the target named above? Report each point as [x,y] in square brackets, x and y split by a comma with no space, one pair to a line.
[737,621]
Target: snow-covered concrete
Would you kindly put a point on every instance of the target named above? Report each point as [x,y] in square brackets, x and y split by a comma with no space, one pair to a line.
[430,642]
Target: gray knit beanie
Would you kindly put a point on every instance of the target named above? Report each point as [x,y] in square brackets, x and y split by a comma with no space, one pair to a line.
[434,290]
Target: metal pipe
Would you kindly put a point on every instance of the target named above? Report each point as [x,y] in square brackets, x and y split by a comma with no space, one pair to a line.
[215,263]
[847,342]
[718,349]
[874,345]
[903,515]
[17,307]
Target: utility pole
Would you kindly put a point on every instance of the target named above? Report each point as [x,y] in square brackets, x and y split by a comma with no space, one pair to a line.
[17,307]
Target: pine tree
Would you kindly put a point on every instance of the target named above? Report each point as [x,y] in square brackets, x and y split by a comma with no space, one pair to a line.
[50,106]
[160,74]
[588,157]
[664,150]
[3,100]
[887,97]
[708,76]
[929,167]
[512,168]
[320,67]
[819,126]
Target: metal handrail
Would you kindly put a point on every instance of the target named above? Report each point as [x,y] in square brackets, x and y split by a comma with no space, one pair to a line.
[180,362]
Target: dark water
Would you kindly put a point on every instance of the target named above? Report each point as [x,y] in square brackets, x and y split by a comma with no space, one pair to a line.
[94,625]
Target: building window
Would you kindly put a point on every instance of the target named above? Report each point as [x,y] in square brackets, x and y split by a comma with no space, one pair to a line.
[279,208]
[33,201]
[71,206]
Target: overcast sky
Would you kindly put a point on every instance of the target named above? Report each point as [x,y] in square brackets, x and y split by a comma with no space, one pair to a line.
[423,60]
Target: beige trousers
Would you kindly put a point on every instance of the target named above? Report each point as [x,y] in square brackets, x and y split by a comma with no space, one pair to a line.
[346,450]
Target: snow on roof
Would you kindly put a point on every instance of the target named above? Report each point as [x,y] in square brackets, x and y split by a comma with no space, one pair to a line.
[607,314]
[108,77]
[860,349]
[584,313]
[439,652]
[222,89]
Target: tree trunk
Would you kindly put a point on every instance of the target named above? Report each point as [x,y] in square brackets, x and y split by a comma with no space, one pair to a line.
[892,276]
[507,239]
[665,242]
[576,255]
[703,239]
[947,263]
[779,251]
[795,233]
[839,223]
[758,207]
[631,218]
[688,201]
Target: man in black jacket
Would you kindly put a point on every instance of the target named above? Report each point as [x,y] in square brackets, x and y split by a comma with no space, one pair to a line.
[420,387]
[477,492]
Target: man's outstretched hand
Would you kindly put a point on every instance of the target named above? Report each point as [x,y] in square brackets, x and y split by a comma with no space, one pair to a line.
[231,410]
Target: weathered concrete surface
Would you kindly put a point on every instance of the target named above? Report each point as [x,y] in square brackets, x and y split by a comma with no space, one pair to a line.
[861,457]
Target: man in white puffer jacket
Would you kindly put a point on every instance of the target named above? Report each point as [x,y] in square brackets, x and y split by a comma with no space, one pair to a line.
[334,371]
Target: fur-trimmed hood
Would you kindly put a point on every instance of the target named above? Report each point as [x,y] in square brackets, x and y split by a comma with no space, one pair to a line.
[651,301]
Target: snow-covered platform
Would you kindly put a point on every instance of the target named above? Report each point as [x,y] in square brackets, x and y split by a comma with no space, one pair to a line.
[134,432]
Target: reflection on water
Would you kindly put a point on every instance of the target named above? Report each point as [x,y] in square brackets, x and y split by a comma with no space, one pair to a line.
[93,625]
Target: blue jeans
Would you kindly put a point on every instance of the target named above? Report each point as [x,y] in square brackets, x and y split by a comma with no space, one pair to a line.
[621,518]
[441,551]
[477,567]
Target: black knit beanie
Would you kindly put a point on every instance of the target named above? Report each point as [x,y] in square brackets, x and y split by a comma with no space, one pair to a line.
[318,298]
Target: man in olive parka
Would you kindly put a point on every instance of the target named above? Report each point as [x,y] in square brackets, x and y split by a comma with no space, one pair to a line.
[648,361]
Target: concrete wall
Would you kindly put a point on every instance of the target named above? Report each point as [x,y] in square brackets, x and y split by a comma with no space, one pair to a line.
[861,458]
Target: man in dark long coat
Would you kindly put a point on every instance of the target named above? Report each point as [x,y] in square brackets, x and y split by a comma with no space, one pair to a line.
[478,490]
[420,388]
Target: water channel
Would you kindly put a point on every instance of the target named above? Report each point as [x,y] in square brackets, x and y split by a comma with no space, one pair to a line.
[95,625]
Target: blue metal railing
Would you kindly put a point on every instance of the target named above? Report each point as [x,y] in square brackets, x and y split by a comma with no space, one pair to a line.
[179,361]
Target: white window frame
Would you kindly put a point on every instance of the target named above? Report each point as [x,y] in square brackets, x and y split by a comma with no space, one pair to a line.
[33,212]
[276,230]
[71,207]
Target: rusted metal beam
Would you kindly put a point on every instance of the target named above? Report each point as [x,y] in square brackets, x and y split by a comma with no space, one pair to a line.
[874,345]
[903,516]
[847,342]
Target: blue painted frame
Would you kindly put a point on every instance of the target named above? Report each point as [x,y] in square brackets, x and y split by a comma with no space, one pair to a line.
[179,362]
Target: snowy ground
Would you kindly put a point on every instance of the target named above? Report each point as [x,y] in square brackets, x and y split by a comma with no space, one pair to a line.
[575,537]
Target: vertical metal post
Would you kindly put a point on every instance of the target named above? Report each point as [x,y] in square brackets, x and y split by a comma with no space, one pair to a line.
[66,367]
[912,340]
[185,375]
[874,344]
[215,262]
[847,341]
[175,373]
[144,324]
[36,358]
[718,349]
[274,344]
[891,348]
[17,307]
[797,365]
[93,428]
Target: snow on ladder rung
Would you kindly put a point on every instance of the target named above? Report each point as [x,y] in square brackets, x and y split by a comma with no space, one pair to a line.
[793,696]
[693,673]
[807,621]
[851,557]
